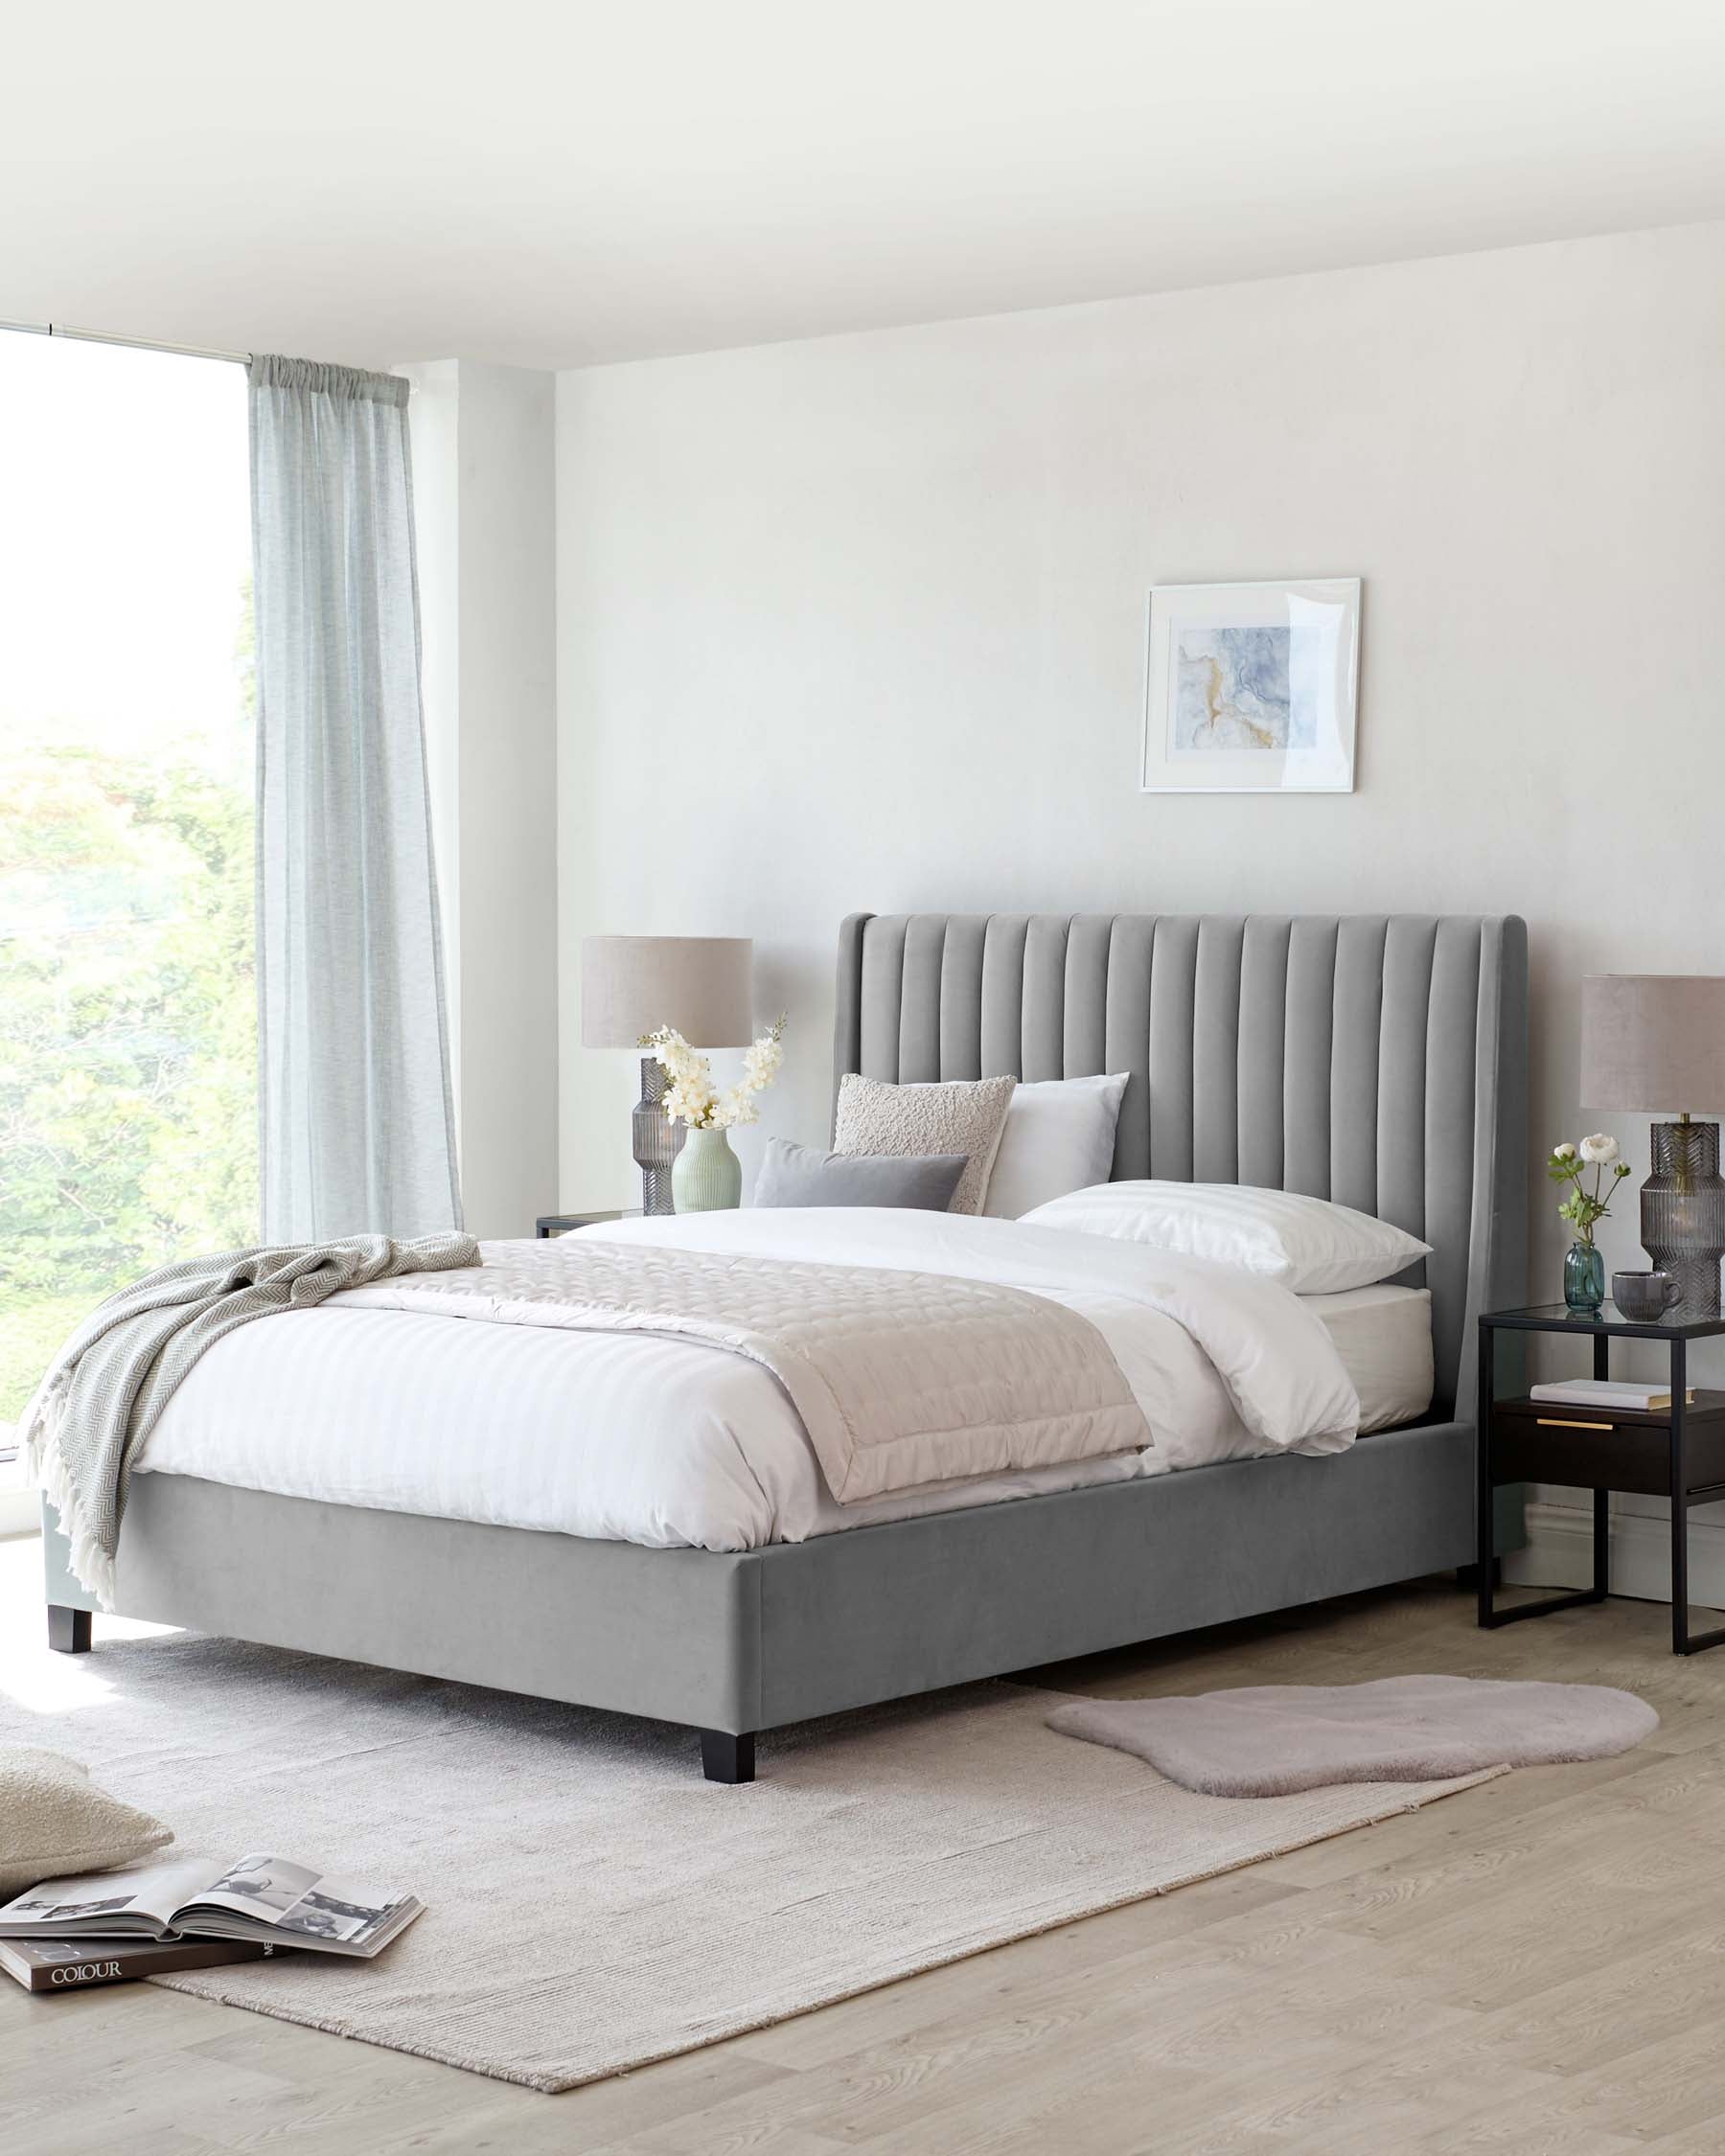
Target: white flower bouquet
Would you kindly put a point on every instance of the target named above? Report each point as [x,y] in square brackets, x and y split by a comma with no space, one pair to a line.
[691,1097]
[1568,1163]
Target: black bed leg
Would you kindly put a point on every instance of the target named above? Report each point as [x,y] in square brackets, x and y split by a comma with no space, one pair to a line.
[725,1757]
[68,1630]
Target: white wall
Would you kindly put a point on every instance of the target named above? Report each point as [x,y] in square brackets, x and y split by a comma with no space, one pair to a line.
[484,451]
[858,623]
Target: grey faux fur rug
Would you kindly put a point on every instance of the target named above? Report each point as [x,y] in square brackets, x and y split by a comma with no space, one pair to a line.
[1274,1740]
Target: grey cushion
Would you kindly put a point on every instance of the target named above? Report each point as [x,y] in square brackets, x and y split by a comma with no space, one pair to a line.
[912,1122]
[796,1175]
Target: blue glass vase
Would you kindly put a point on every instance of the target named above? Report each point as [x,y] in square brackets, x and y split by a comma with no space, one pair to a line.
[1584,1279]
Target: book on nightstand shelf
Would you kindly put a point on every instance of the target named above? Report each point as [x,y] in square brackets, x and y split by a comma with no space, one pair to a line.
[1607,1392]
[259,1903]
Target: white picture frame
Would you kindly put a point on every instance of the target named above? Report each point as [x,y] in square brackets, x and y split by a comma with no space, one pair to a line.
[1251,688]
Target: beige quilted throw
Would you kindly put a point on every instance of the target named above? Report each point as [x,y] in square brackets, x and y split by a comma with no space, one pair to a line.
[901,1378]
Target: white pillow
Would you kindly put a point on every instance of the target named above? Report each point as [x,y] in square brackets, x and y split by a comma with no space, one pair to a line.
[1059,1136]
[1309,1245]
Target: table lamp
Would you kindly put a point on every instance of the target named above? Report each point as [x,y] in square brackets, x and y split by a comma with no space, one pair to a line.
[1654,1040]
[703,986]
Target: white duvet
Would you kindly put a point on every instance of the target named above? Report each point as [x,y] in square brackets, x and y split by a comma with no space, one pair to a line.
[667,1442]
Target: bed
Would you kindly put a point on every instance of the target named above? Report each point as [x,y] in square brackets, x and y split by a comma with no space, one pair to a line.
[1378,1060]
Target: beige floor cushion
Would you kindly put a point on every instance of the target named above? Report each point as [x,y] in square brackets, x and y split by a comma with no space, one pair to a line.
[55,1823]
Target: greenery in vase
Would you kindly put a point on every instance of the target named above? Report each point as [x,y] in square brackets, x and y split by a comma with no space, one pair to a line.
[691,1097]
[1585,1208]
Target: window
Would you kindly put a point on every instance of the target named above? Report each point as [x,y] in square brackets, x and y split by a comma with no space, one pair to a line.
[128,1016]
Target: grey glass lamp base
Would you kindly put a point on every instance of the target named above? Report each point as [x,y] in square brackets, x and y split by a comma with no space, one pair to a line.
[656,1143]
[1683,1213]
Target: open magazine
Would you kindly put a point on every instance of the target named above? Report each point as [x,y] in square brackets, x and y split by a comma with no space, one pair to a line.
[264,1899]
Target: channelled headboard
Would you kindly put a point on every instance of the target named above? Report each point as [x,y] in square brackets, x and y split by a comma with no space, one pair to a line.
[1380,1060]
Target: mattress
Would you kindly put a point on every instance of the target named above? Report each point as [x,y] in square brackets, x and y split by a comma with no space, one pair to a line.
[1384,1338]
[549,1429]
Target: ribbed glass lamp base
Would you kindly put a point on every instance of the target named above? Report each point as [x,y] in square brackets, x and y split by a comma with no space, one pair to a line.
[656,1143]
[1683,1213]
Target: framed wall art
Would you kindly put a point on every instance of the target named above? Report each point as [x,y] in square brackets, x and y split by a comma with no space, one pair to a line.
[1251,688]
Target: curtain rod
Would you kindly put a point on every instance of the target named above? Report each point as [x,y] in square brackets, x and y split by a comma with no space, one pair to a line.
[109,336]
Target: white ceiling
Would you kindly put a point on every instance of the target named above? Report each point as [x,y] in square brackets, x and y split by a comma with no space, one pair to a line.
[553,185]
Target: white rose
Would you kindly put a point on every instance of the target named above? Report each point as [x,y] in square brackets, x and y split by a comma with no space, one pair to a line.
[1563,1152]
[1598,1149]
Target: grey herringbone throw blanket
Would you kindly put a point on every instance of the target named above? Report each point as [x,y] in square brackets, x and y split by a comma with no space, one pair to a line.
[114,1376]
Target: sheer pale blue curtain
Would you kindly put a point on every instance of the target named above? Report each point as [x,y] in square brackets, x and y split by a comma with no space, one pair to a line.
[355,1125]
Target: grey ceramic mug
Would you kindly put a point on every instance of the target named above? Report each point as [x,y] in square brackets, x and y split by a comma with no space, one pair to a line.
[1645,1297]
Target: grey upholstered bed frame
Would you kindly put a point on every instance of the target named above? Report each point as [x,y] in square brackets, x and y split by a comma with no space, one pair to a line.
[1380,1061]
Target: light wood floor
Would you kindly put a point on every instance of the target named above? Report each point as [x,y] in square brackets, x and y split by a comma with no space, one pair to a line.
[1537,1965]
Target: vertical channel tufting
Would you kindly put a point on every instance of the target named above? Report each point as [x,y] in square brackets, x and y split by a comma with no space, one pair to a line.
[1497,1233]
[1173,989]
[1452,1026]
[883,995]
[847,1002]
[919,1000]
[1216,1050]
[1380,1061]
[1043,1015]
[1354,1049]
[1085,1050]
[1127,1042]
[1409,945]
[961,996]
[1004,994]
[1307,1053]
[1263,1012]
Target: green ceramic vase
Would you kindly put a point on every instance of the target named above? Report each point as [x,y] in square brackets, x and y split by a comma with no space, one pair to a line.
[706,1176]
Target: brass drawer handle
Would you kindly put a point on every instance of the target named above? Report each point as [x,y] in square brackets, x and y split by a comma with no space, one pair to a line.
[1562,1422]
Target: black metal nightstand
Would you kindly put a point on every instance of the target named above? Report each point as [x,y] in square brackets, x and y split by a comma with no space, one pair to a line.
[1676,1452]
[560,1224]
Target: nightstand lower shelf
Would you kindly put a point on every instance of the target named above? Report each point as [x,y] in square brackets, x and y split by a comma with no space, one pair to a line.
[1684,1642]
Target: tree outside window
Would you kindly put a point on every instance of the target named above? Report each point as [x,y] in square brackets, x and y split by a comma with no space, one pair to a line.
[128,1005]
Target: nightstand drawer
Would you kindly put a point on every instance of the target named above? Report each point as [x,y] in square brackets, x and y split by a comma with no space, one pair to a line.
[1579,1448]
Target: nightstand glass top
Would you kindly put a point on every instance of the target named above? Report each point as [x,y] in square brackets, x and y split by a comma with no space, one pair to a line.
[1557,1317]
[549,1225]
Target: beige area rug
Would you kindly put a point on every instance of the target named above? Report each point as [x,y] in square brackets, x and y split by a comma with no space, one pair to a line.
[593,1903]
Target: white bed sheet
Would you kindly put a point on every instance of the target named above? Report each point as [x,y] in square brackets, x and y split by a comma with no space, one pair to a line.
[1384,1338]
[550,1429]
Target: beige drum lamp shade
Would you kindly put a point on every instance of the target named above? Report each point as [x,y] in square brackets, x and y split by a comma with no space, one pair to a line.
[702,985]
[1652,1041]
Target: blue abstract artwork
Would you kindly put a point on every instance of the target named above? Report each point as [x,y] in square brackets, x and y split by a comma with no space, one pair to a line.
[1245,688]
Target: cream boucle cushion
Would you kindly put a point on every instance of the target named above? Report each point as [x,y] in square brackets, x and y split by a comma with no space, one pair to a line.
[55,1824]
[910,1121]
